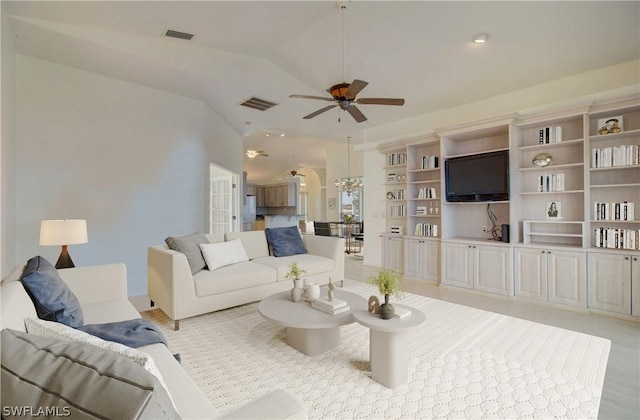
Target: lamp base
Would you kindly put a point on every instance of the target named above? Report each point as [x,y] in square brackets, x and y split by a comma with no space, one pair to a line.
[64,260]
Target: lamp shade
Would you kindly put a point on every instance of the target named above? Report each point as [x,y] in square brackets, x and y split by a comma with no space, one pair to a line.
[63,232]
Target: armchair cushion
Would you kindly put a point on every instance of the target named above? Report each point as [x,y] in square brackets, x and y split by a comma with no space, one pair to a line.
[51,296]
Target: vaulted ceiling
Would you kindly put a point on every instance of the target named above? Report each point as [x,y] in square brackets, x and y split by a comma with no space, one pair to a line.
[418,50]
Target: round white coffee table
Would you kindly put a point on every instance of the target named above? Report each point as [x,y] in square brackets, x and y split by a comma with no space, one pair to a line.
[389,344]
[310,330]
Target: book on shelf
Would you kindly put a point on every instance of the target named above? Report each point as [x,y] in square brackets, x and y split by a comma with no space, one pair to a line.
[316,304]
[401,313]
[549,135]
[421,210]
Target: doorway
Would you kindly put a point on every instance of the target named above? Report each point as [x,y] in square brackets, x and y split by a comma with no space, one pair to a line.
[223,200]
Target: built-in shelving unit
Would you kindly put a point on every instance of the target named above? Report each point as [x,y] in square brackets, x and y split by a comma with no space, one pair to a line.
[571,222]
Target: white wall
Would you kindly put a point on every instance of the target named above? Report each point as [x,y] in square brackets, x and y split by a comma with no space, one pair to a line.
[133,161]
[580,89]
[7,149]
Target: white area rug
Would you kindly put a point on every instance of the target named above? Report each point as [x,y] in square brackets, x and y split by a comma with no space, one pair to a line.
[464,363]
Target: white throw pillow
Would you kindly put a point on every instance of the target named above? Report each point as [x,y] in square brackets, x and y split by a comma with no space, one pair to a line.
[219,254]
[63,332]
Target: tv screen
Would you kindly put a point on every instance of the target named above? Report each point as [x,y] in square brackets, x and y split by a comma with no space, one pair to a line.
[481,177]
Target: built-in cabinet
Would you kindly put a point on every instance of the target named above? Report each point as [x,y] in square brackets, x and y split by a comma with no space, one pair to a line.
[277,195]
[551,275]
[477,266]
[393,251]
[422,259]
[614,282]
[573,211]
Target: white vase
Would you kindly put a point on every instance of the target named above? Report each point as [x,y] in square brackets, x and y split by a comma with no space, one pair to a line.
[313,291]
[296,292]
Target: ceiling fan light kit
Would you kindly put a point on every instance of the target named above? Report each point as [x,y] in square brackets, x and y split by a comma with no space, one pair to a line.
[480,38]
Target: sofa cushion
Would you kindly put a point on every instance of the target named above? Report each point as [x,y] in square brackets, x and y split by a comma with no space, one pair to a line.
[254,242]
[62,332]
[223,253]
[96,383]
[312,264]
[52,298]
[189,245]
[233,277]
[285,241]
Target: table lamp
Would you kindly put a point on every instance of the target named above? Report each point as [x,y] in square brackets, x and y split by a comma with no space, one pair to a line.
[63,232]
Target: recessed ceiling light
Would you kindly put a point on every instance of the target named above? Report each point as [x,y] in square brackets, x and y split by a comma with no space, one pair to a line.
[282,135]
[480,38]
[267,134]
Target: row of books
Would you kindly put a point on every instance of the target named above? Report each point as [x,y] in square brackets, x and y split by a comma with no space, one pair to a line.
[427,192]
[551,182]
[398,210]
[623,155]
[430,162]
[396,158]
[426,229]
[398,194]
[613,211]
[550,135]
[334,307]
[616,238]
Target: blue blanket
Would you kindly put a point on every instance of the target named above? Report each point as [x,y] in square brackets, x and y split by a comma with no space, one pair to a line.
[133,333]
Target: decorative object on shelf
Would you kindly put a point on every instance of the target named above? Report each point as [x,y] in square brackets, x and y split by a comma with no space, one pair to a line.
[612,125]
[374,305]
[388,283]
[313,292]
[348,185]
[294,273]
[331,288]
[542,159]
[63,232]
[553,210]
[390,195]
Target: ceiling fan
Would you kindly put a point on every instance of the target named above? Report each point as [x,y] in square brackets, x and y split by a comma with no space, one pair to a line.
[344,94]
[295,173]
[251,154]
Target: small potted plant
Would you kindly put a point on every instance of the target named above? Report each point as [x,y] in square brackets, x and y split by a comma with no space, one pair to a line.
[294,273]
[388,283]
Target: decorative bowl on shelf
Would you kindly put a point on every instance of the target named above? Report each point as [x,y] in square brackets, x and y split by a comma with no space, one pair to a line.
[542,160]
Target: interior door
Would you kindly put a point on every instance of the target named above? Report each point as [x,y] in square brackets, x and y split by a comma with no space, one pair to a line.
[223,200]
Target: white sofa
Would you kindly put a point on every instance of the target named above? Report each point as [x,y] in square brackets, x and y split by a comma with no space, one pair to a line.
[181,294]
[102,293]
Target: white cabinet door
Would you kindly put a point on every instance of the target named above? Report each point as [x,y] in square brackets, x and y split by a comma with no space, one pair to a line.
[457,265]
[431,260]
[635,286]
[394,253]
[413,250]
[609,278]
[567,280]
[492,269]
[531,273]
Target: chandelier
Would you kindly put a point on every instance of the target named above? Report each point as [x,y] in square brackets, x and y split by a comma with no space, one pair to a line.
[348,185]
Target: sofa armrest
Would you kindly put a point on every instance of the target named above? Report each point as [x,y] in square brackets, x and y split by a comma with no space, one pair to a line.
[325,246]
[278,404]
[97,283]
[169,279]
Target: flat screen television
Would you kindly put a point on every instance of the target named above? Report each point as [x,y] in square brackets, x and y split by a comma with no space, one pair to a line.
[481,177]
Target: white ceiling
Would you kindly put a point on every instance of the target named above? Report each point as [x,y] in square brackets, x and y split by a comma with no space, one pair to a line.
[417,50]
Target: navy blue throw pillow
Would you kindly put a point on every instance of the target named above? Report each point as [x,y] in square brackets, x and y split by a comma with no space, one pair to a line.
[285,241]
[53,299]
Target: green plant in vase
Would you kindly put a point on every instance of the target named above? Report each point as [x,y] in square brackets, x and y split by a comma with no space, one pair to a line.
[388,283]
[294,273]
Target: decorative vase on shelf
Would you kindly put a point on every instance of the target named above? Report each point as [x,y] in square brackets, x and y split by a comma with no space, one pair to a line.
[386,309]
[296,292]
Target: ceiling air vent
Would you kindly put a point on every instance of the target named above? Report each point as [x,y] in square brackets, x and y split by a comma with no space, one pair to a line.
[179,35]
[257,103]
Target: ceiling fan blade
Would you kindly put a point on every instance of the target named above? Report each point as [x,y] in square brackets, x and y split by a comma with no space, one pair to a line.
[321,98]
[320,111]
[380,101]
[354,88]
[356,114]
